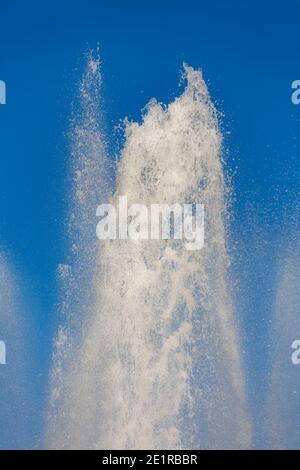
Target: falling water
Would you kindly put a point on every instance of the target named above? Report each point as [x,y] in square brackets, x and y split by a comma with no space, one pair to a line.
[158,365]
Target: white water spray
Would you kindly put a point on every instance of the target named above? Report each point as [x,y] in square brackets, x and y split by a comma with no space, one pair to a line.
[282,424]
[159,362]
[17,398]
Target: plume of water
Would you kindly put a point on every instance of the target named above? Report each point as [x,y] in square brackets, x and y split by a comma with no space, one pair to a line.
[159,363]
[16,392]
[282,426]
[88,183]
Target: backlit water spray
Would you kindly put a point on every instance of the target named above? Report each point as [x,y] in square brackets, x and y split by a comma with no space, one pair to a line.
[158,363]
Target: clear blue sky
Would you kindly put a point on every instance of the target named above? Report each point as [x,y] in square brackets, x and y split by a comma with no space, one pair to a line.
[249,53]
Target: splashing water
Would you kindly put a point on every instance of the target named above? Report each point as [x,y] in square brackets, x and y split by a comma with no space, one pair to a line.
[89,184]
[159,363]
[17,396]
[282,410]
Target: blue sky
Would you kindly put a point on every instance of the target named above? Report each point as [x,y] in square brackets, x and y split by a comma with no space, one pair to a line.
[249,55]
